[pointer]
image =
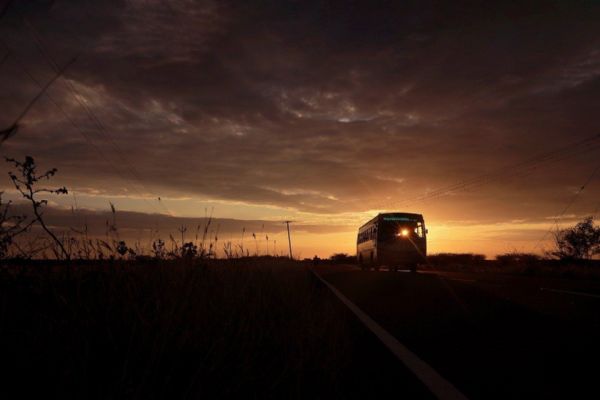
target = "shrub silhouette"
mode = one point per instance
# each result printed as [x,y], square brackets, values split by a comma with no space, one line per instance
[516,258]
[455,259]
[343,258]
[25,181]
[580,242]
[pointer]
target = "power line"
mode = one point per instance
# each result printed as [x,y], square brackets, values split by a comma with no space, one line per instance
[526,166]
[102,131]
[12,130]
[69,119]
[516,169]
[585,145]
[569,204]
[87,138]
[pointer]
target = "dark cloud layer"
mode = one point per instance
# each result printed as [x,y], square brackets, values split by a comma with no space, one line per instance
[144,227]
[317,106]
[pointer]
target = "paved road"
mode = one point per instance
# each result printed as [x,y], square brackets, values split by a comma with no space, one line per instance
[493,336]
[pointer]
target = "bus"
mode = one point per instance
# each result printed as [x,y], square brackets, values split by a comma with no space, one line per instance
[393,240]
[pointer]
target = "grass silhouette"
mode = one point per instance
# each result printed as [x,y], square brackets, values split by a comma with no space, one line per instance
[129,329]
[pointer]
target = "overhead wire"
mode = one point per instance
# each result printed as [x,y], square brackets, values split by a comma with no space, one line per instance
[82,131]
[65,114]
[568,206]
[523,167]
[480,180]
[102,131]
[12,130]
[516,169]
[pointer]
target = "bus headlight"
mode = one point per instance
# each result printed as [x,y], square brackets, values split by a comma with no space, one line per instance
[404,232]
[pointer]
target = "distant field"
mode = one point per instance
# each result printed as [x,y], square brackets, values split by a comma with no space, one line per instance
[518,264]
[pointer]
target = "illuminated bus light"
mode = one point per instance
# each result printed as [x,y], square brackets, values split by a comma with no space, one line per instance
[395,240]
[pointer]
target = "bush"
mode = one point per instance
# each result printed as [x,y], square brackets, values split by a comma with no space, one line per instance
[580,242]
[455,259]
[342,258]
[518,259]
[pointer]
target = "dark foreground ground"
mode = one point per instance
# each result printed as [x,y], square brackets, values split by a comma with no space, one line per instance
[267,328]
[248,329]
[494,336]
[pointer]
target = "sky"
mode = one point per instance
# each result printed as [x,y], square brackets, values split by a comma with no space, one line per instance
[482,116]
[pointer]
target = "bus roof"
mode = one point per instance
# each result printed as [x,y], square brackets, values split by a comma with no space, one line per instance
[394,216]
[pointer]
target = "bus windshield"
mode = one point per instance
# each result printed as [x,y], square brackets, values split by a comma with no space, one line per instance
[389,230]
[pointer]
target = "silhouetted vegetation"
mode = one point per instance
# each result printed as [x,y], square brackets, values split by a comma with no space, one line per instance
[124,329]
[108,319]
[455,259]
[516,258]
[26,181]
[580,242]
[343,258]
[517,263]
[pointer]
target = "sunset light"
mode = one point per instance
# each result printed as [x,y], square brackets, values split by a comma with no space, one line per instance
[287,199]
[241,137]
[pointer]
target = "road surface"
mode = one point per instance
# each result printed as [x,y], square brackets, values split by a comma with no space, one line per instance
[493,336]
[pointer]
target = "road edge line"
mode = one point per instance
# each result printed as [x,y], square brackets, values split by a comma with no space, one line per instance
[440,387]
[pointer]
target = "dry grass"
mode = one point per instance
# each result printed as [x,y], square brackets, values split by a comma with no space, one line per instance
[164,329]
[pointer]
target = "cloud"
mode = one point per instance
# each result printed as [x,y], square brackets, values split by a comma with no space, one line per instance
[133,224]
[313,107]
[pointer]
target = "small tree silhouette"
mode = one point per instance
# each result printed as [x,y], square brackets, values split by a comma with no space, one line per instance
[580,242]
[25,182]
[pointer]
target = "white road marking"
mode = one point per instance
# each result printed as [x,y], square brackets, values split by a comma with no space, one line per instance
[439,386]
[571,292]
